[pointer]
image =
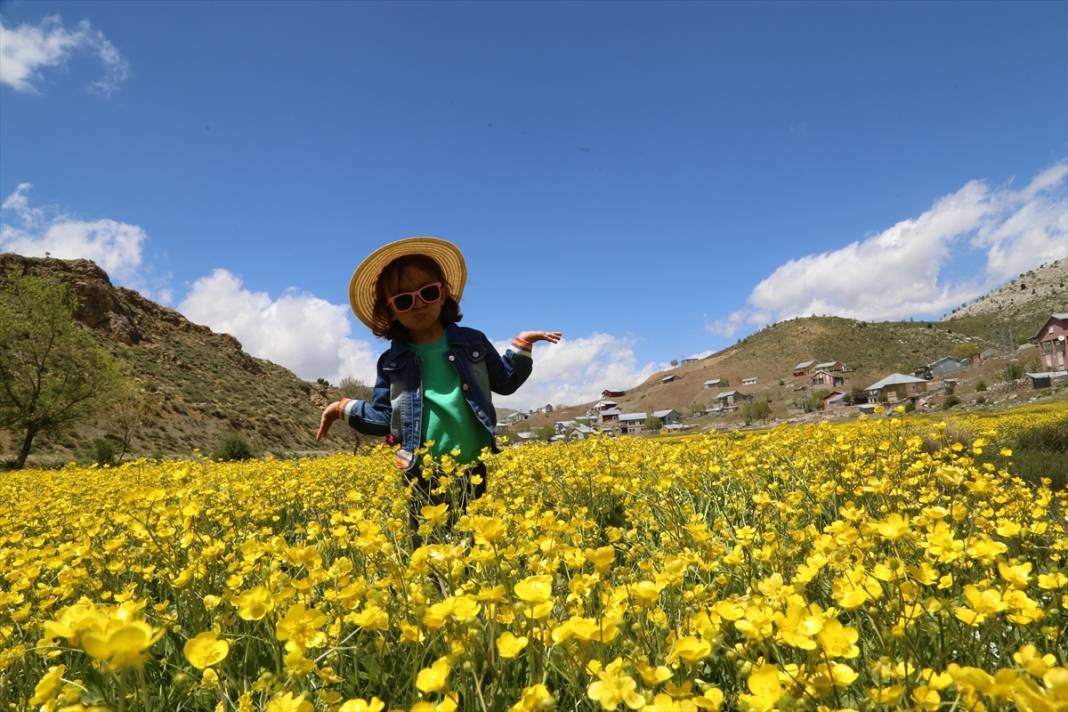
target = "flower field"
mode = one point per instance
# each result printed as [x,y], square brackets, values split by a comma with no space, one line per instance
[874,565]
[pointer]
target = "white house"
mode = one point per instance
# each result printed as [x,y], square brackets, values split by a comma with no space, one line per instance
[632,423]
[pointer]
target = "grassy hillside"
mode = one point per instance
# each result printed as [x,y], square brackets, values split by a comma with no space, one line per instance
[870,350]
[1012,314]
[197,385]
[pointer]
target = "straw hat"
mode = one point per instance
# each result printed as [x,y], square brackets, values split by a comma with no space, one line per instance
[362,284]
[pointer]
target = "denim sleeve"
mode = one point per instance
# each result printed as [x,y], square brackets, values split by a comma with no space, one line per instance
[507,373]
[372,417]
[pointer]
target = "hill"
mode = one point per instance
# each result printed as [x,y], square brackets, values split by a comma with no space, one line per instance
[198,385]
[996,324]
[1011,314]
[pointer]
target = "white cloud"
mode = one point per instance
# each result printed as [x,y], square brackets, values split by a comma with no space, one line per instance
[899,272]
[298,330]
[26,50]
[115,246]
[577,370]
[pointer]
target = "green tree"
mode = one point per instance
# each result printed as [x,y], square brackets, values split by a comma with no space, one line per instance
[756,410]
[965,351]
[545,432]
[53,374]
[653,423]
[815,401]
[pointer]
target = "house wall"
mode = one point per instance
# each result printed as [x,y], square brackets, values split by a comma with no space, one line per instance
[1052,347]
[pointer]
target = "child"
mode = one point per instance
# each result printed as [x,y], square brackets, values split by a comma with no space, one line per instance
[434,381]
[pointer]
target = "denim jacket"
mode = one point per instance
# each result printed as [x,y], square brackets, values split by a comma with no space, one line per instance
[396,405]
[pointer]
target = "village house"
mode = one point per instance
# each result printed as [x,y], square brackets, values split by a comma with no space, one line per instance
[712,383]
[608,419]
[688,360]
[1046,379]
[632,423]
[512,418]
[827,378]
[803,368]
[897,386]
[729,400]
[606,393]
[669,379]
[830,366]
[1050,340]
[940,367]
[749,381]
[668,417]
[835,399]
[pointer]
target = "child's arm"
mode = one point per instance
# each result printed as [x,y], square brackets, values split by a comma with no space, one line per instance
[368,417]
[508,373]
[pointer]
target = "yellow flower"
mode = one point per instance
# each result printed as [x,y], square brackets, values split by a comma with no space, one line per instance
[508,645]
[361,705]
[205,650]
[689,649]
[613,687]
[535,698]
[601,558]
[926,698]
[433,678]
[711,699]
[371,618]
[435,515]
[287,703]
[535,589]
[123,645]
[300,628]
[764,688]
[254,604]
[48,686]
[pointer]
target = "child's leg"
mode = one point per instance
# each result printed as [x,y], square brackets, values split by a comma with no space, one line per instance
[419,498]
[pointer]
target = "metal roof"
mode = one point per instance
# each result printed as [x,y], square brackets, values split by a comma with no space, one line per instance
[1047,374]
[712,381]
[804,364]
[826,364]
[611,411]
[633,416]
[724,394]
[662,413]
[894,379]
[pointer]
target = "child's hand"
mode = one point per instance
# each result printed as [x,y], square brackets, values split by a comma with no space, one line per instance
[330,413]
[532,336]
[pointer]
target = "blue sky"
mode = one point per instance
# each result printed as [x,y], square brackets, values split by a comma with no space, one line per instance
[653,179]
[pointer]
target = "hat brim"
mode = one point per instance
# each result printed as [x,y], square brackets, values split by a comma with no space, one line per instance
[362,284]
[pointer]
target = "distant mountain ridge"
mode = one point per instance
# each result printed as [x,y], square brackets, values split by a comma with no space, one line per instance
[198,384]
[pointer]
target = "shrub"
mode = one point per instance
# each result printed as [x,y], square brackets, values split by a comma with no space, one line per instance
[980,386]
[1014,371]
[949,402]
[103,452]
[233,447]
[980,400]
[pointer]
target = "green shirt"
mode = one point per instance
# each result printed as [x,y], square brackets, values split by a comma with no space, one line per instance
[447,418]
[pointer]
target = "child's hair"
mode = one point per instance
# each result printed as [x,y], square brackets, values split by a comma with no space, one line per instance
[387,281]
